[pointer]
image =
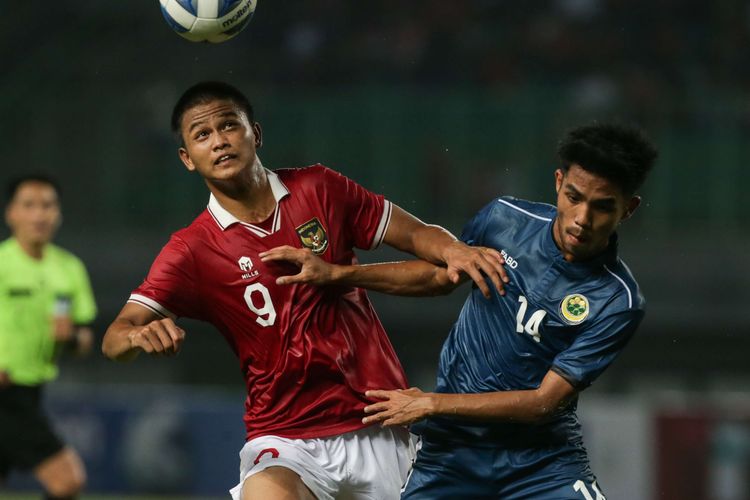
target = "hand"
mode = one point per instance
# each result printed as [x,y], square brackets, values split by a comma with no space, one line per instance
[62,328]
[160,337]
[4,379]
[313,269]
[461,257]
[84,341]
[400,407]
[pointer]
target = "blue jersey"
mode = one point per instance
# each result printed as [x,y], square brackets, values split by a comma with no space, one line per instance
[569,317]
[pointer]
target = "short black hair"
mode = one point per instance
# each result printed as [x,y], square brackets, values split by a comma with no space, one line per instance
[16,183]
[620,153]
[204,92]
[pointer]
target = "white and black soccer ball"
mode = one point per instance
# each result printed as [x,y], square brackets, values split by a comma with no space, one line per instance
[208,20]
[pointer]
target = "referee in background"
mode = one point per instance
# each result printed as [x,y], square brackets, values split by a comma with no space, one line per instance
[45,304]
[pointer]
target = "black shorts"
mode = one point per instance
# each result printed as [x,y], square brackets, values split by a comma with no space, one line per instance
[26,436]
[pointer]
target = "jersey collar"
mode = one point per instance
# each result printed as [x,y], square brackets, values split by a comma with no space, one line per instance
[224,219]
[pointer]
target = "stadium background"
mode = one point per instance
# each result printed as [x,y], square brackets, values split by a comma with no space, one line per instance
[440,105]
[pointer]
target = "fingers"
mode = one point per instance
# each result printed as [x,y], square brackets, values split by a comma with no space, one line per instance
[161,337]
[478,279]
[379,394]
[286,252]
[479,263]
[492,265]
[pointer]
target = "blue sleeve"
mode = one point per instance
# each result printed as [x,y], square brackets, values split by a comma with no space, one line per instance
[473,232]
[596,347]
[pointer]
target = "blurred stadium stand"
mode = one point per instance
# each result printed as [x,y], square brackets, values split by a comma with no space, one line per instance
[440,106]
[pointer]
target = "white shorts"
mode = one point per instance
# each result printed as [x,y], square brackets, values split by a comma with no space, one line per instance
[368,464]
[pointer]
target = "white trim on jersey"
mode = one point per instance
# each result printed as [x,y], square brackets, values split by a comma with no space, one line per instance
[151,304]
[630,295]
[224,219]
[385,220]
[524,211]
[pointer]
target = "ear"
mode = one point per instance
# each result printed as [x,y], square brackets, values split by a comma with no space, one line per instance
[185,157]
[559,176]
[258,132]
[631,207]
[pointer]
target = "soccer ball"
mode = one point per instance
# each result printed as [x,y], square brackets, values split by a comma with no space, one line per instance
[208,20]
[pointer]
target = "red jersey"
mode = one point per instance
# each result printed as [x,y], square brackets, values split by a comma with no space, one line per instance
[308,353]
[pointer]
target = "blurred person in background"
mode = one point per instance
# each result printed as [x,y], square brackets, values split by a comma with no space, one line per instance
[502,421]
[46,303]
[307,355]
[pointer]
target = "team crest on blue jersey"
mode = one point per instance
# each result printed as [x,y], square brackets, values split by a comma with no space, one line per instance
[313,236]
[574,308]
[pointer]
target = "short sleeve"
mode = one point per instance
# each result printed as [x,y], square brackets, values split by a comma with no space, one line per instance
[366,214]
[596,347]
[83,305]
[473,231]
[169,288]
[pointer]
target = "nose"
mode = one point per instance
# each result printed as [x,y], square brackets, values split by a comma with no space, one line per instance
[583,216]
[220,140]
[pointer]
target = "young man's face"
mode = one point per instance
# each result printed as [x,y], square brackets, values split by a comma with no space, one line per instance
[220,141]
[589,208]
[33,214]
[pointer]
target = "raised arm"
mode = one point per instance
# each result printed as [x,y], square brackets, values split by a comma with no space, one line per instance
[437,245]
[413,278]
[407,406]
[138,329]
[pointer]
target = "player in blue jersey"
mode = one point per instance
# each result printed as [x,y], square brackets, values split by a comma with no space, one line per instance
[502,421]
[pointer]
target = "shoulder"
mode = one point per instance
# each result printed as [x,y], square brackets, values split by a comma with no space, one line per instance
[6,247]
[626,294]
[315,174]
[197,231]
[508,212]
[60,254]
[517,208]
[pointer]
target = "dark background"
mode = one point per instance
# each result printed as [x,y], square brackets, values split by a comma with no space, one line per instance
[439,105]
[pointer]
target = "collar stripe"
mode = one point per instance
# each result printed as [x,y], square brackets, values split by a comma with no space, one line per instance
[524,211]
[224,219]
[630,295]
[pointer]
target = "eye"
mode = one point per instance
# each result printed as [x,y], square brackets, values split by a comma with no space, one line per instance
[230,124]
[201,134]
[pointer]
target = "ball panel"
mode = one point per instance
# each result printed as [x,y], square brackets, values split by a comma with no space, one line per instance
[239,26]
[205,28]
[208,20]
[179,15]
[188,5]
[179,27]
[208,9]
[238,15]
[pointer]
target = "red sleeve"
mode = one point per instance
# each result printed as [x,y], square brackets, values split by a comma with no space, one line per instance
[169,288]
[366,214]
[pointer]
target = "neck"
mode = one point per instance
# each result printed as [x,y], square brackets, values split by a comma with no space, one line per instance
[33,249]
[249,198]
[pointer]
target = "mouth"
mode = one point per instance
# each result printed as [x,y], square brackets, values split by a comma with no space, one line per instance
[577,239]
[225,158]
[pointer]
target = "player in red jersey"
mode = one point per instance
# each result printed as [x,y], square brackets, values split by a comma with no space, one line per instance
[308,354]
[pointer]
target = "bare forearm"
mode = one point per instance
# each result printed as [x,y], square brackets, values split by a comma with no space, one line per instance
[117,344]
[429,242]
[411,278]
[519,406]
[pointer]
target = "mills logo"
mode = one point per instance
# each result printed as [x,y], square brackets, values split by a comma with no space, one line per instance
[246,265]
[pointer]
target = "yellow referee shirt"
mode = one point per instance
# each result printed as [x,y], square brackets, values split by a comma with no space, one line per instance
[31,293]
